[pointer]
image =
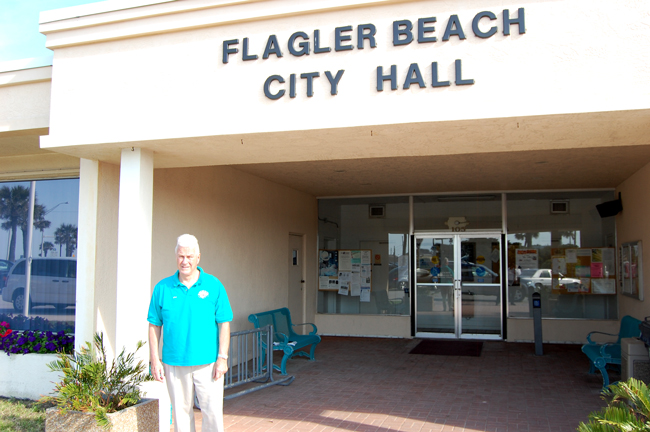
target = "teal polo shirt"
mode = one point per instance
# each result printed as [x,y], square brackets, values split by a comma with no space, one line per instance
[189,318]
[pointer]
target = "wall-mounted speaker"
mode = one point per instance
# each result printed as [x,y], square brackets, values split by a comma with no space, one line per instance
[610,208]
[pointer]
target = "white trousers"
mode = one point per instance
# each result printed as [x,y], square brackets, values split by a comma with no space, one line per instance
[181,382]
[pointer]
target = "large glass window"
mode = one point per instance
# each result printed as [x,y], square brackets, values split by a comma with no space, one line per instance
[52,279]
[373,233]
[559,246]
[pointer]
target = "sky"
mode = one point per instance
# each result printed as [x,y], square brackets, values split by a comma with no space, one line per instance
[19,36]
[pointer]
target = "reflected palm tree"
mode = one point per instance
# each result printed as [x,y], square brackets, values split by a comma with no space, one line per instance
[66,234]
[46,247]
[14,208]
[527,238]
[39,222]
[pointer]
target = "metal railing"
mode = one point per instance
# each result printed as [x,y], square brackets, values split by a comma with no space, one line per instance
[249,361]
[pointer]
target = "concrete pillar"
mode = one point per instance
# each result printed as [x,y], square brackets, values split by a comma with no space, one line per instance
[86,243]
[134,249]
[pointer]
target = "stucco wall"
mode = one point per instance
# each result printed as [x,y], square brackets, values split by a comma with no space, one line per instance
[25,99]
[106,250]
[106,75]
[364,325]
[242,223]
[632,225]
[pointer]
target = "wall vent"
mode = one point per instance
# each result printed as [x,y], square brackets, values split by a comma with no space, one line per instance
[376,211]
[559,207]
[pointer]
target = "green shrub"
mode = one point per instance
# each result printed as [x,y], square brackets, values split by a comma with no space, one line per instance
[628,409]
[90,384]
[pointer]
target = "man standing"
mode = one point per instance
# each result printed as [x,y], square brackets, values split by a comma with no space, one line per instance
[193,310]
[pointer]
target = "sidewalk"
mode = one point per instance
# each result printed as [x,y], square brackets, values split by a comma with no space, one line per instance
[369,384]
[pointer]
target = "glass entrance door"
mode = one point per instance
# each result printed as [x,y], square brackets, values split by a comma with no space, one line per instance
[458,286]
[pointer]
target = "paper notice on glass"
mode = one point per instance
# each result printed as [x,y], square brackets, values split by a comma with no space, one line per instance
[402,260]
[345,260]
[323,282]
[365,257]
[334,284]
[355,290]
[603,286]
[343,289]
[345,276]
[355,278]
[585,285]
[571,256]
[559,265]
[365,271]
[596,269]
[365,295]
[526,258]
[356,257]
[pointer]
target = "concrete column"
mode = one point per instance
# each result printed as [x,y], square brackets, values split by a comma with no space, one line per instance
[134,249]
[87,247]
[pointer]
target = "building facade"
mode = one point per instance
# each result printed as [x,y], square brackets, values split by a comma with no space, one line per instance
[386,168]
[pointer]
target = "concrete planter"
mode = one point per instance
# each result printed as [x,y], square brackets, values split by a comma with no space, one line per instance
[142,417]
[27,376]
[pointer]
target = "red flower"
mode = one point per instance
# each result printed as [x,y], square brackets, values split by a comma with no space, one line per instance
[4,329]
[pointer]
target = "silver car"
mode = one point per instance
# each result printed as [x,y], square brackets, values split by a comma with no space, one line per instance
[53,282]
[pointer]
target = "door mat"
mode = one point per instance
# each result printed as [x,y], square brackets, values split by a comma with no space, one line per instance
[448,348]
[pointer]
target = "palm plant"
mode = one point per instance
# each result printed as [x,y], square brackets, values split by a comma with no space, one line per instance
[46,247]
[91,384]
[13,209]
[628,409]
[39,222]
[66,234]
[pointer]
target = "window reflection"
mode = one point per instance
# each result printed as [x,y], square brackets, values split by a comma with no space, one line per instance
[535,235]
[350,225]
[54,247]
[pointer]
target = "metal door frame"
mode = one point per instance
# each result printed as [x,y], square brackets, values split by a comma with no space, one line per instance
[457,284]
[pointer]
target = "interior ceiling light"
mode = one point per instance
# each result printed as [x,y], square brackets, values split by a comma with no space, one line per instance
[466,198]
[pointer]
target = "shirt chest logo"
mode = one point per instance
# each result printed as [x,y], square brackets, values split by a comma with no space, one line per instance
[203,294]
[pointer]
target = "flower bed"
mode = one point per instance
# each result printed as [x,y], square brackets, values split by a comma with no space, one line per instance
[27,376]
[37,342]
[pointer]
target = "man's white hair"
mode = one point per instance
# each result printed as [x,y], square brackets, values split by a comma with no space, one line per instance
[189,241]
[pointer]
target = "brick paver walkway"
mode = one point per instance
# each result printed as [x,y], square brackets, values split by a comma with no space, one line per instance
[370,384]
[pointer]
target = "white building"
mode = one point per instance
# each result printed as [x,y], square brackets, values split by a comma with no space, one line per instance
[271,127]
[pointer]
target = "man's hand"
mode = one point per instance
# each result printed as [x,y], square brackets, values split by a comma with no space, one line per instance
[220,368]
[156,366]
[157,371]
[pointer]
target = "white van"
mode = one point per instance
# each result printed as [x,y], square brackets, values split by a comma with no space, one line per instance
[53,282]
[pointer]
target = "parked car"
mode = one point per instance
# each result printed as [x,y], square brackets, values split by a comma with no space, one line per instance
[53,282]
[5,266]
[538,280]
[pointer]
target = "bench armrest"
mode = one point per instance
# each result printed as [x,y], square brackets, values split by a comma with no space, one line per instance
[610,350]
[314,329]
[597,332]
[282,336]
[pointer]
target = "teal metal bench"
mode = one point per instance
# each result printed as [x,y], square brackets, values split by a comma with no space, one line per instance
[284,338]
[604,355]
